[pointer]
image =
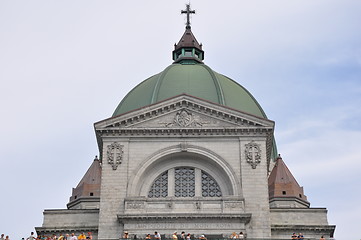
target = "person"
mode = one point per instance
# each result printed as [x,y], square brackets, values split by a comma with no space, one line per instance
[61,236]
[2,237]
[188,236]
[233,235]
[125,235]
[294,236]
[157,235]
[241,235]
[174,236]
[148,236]
[81,236]
[7,237]
[322,238]
[67,237]
[300,236]
[183,236]
[90,236]
[203,237]
[73,237]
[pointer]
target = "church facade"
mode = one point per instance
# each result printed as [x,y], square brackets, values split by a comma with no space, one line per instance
[190,150]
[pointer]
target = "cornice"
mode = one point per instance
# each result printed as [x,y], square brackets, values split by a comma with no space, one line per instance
[214,131]
[303,228]
[81,200]
[246,217]
[64,229]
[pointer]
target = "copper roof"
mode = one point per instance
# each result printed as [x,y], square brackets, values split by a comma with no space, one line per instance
[188,40]
[89,185]
[281,182]
[93,175]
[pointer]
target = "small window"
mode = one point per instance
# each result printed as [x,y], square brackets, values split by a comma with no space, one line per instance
[283,192]
[300,195]
[75,197]
[91,194]
[188,53]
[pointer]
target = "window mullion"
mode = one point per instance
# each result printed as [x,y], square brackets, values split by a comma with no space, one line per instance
[198,182]
[171,182]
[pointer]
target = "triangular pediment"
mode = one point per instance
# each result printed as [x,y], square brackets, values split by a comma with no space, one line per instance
[184,111]
[185,115]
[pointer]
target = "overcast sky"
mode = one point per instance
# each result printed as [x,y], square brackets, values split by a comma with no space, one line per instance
[67,64]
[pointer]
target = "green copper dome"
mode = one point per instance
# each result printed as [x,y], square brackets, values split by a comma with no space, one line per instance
[189,75]
[193,79]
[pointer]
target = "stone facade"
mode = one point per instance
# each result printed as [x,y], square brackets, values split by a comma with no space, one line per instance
[185,132]
[146,151]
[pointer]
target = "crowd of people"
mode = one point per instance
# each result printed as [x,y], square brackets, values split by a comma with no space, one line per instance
[155,236]
[301,237]
[71,236]
[175,236]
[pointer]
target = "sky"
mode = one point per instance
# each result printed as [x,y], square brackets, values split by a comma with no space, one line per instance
[65,65]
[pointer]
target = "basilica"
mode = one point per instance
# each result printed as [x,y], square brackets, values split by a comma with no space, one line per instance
[188,149]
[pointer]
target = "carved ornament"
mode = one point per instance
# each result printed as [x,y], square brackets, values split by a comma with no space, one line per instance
[233,205]
[115,154]
[185,118]
[135,205]
[253,154]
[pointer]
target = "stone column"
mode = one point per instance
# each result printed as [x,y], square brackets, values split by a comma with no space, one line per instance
[113,191]
[255,186]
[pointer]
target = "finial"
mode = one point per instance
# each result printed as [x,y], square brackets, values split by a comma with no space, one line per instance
[188,11]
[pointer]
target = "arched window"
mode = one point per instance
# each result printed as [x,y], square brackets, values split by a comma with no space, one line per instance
[184,182]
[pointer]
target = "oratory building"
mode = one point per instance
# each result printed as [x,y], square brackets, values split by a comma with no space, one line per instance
[188,149]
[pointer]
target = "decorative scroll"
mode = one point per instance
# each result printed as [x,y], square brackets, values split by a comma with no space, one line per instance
[210,187]
[233,205]
[115,154]
[184,118]
[135,205]
[253,154]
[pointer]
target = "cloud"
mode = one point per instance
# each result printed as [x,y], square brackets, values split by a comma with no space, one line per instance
[66,65]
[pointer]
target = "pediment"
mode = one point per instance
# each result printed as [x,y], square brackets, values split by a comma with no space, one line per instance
[184,112]
[185,115]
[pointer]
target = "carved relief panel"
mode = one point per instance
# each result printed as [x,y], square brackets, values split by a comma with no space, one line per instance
[115,154]
[253,154]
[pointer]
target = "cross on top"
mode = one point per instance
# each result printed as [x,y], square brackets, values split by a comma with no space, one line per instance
[188,11]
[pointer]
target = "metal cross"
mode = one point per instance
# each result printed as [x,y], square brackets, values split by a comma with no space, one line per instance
[188,11]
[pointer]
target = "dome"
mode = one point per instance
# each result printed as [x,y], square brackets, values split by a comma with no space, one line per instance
[189,75]
[197,80]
